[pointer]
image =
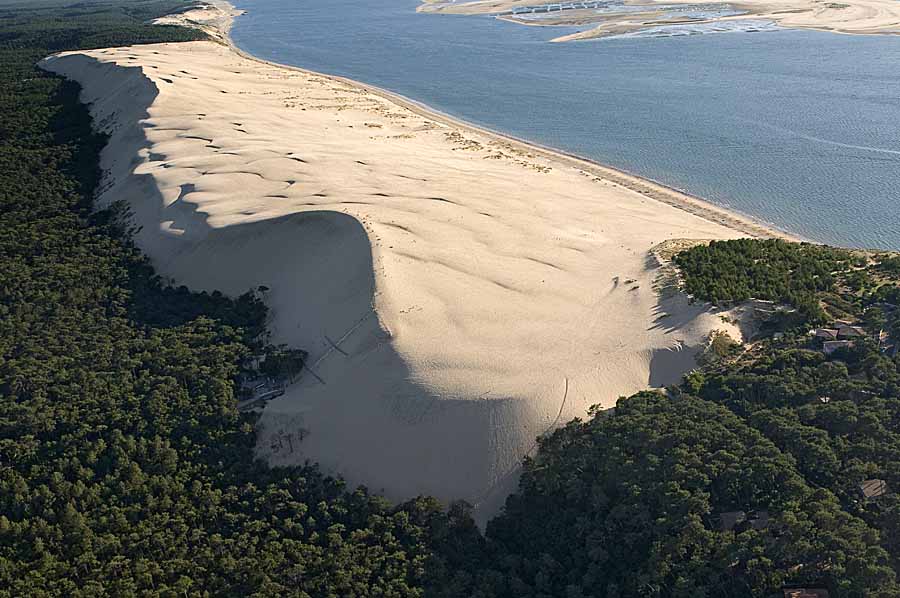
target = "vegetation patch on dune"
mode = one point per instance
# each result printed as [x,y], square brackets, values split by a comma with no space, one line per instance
[821,282]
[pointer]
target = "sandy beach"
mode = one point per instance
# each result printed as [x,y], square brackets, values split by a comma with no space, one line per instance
[459,292]
[864,17]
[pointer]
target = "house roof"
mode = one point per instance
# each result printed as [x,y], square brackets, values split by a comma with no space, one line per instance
[873,488]
[743,520]
[828,333]
[805,592]
[851,331]
[730,519]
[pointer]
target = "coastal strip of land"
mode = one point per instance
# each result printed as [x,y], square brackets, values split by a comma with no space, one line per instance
[460,292]
[606,18]
[216,18]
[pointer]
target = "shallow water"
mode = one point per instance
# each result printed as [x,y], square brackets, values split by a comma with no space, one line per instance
[800,129]
[681,29]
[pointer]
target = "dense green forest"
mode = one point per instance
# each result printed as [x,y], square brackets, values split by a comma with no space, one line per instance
[126,469]
[628,504]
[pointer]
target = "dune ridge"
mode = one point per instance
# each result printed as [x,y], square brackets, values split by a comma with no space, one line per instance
[460,293]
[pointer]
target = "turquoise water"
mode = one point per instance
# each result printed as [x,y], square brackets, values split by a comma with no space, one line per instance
[800,129]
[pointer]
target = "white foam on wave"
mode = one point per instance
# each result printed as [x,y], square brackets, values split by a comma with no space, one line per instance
[607,9]
[681,29]
[814,139]
[703,14]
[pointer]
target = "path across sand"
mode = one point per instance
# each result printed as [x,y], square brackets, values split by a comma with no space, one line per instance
[459,293]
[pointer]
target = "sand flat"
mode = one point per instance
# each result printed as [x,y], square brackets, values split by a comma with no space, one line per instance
[460,293]
[863,17]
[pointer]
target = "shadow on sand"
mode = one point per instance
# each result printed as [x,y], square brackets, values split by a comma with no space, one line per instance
[362,413]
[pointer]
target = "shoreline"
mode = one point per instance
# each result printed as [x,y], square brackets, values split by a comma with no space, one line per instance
[459,293]
[646,186]
[854,17]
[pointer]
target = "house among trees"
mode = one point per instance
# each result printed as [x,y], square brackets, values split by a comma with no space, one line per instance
[873,488]
[805,592]
[256,385]
[847,332]
[258,390]
[825,334]
[837,338]
[739,521]
[843,332]
[252,362]
[886,343]
[265,376]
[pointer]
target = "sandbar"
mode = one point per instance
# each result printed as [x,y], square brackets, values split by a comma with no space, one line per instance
[862,17]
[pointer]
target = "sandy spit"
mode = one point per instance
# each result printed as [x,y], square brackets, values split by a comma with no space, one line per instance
[861,17]
[460,292]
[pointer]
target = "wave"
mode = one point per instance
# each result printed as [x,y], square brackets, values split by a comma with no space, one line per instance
[680,29]
[793,133]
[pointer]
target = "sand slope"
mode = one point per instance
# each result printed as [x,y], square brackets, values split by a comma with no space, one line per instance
[459,294]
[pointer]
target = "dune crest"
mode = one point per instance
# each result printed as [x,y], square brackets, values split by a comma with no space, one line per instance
[459,293]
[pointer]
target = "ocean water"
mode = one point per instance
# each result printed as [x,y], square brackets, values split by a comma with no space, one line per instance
[799,129]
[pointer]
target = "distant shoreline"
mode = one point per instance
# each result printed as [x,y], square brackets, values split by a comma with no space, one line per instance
[853,17]
[648,187]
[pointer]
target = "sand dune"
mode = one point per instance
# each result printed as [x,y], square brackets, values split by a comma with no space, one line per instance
[459,293]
